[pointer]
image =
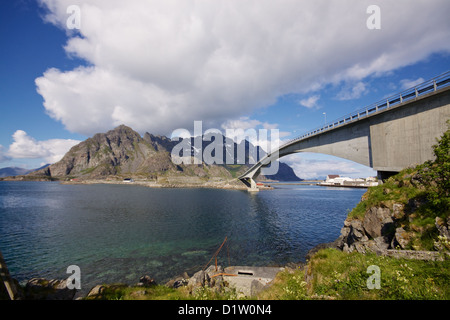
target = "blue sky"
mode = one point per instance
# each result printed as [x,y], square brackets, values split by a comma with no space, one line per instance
[158,66]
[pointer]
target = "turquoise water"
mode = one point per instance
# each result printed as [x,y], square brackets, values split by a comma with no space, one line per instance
[117,233]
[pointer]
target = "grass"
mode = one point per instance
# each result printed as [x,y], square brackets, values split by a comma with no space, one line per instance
[397,189]
[124,292]
[234,169]
[330,275]
[161,292]
[335,275]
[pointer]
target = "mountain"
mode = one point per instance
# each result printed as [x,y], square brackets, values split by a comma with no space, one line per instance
[123,153]
[285,173]
[14,171]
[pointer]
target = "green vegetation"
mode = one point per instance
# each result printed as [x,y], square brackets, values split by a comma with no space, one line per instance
[88,170]
[330,274]
[162,292]
[234,169]
[335,274]
[124,292]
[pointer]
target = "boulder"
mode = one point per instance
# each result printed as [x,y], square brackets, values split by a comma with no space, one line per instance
[398,211]
[443,227]
[357,231]
[199,279]
[401,238]
[43,289]
[207,278]
[96,291]
[179,281]
[378,222]
[146,281]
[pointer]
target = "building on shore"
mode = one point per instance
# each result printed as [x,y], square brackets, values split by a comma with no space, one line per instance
[334,180]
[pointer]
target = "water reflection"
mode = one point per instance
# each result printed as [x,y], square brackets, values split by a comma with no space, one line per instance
[118,233]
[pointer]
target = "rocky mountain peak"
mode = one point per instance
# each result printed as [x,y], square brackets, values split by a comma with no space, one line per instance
[122,152]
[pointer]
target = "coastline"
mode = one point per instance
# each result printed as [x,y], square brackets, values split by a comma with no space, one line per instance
[233,184]
[229,185]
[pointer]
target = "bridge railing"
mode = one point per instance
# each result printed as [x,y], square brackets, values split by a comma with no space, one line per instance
[428,86]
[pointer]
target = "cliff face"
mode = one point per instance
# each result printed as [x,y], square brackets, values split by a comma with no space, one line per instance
[122,152]
[397,216]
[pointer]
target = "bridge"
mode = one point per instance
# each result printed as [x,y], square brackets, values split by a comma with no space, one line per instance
[388,136]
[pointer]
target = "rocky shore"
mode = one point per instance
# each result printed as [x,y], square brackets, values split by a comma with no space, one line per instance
[247,283]
[381,232]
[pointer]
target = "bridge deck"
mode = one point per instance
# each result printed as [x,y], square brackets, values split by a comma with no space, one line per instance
[423,90]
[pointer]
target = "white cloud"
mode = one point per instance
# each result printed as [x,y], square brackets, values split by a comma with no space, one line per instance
[159,65]
[26,147]
[311,102]
[266,135]
[312,166]
[3,156]
[351,92]
[408,83]
[243,123]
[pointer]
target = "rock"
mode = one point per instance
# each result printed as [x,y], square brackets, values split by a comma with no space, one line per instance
[356,232]
[179,281]
[443,227]
[401,238]
[417,255]
[359,247]
[378,222]
[43,289]
[379,245]
[398,210]
[146,281]
[96,291]
[199,279]
[207,278]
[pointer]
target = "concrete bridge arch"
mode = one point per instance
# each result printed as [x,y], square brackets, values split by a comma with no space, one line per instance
[387,136]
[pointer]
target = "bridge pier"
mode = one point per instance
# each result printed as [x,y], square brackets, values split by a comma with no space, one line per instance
[251,184]
[253,187]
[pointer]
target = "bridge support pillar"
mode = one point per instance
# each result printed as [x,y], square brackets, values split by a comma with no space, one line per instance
[251,184]
[253,187]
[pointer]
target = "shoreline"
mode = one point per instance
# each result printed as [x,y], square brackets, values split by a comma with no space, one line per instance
[226,184]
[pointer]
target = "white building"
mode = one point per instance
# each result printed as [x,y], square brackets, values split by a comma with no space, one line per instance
[337,181]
